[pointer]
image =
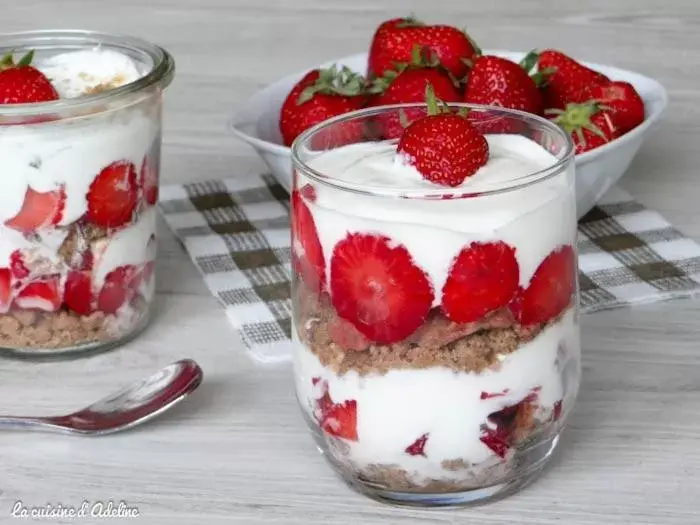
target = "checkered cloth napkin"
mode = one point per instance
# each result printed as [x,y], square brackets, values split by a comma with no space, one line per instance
[237,233]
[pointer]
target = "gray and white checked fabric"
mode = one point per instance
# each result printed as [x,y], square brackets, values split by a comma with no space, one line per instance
[237,233]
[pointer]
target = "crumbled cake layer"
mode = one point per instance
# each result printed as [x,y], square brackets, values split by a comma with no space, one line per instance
[25,329]
[468,347]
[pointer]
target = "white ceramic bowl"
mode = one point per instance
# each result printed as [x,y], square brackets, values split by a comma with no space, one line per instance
[257,123]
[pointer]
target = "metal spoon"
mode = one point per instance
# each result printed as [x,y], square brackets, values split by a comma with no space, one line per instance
[127,408]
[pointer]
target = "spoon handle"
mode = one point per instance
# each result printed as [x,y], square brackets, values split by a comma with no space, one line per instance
[27,423]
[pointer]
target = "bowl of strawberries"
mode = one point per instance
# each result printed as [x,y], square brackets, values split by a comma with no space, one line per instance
[606,110]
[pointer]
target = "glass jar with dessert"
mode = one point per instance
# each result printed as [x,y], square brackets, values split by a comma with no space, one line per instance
[80,134]
[437,350]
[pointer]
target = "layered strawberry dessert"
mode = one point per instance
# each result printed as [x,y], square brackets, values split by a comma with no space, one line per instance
[436,334]
[77,216]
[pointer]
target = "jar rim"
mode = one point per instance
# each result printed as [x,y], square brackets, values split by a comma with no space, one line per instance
[161,74]
[562,159]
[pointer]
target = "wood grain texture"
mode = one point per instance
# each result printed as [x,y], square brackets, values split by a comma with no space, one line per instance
[237,451]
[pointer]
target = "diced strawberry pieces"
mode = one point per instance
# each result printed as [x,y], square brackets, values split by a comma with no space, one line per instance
[39,210]
[556,411]
[78,295]
[148,180]
[551,288]
[5,289]
[43,295]
[495,442]
[484,277]
[315,380]
[376,285]
[308,260]
[341,420]
[308,192]
[346,336]
[119,288]
[417,448]
[491,395]
[17,265]
[112,195]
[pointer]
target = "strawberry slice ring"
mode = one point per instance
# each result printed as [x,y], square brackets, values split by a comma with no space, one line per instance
[39,210]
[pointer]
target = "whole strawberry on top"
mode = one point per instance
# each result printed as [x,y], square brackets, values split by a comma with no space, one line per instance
[21,83]
[496,81]
[320,95]
[443,146]
[567,81]
[407,83]
[590,125]
[394,39]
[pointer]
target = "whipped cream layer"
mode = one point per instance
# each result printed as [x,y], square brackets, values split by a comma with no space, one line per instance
[396,408]
[78,73]
[534,219]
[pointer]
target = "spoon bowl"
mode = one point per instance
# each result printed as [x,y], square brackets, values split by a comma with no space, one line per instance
[130,406]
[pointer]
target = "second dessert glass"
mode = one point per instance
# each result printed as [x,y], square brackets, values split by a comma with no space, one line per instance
[437,351]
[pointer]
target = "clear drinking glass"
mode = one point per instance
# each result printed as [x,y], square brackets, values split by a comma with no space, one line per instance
[435,329]
[79,188]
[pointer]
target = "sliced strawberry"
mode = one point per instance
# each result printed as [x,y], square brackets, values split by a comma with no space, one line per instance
[551,287]
[119,288]
[307,254]
[78,295]
[340,420]
[18,266]
[5,289]
[112,195]
[148,180]
[491,395]
[378,288]
[484,277]
[43,295]
[346,336]
[308,192]
[417,447]
[495,441]
[39,210]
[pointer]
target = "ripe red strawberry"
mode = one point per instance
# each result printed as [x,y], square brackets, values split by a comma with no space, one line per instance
[77,294]
[589,125]
[346,336]
[484,277]
[44,294]
[394,40]
[551,288]
[17,265]
[340,420]
[21,83]
[417,448]
[148,180]
[444,146]
[308,261]
[623,101]
[378,288]
[112,196]
[39,210]
[5,289]
[119,288]
[496,81]
[320,95]
[567,80]
[406,86]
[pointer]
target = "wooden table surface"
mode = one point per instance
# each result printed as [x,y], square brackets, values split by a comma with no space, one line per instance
[238,451]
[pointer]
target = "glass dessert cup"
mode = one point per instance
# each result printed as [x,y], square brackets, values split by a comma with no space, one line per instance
[435,329]
[77,212]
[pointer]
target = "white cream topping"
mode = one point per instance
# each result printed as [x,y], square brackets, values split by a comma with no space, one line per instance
[78,72]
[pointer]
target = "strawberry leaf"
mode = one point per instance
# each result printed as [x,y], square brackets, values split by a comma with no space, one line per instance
[26,59]
[403,119]
[530,60]
[331,81]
